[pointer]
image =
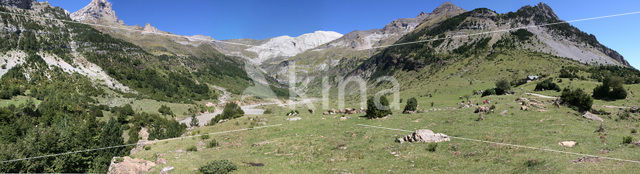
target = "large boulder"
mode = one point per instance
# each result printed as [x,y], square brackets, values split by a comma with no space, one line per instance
[567,143]
[424,135]
[591,116]
[129,165]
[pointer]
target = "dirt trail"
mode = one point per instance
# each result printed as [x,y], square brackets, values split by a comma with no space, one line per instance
[541,96]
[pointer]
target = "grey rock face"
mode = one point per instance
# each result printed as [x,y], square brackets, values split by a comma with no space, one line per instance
[23,4]
[99,12]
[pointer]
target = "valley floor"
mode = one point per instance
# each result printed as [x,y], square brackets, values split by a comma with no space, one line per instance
[353,144]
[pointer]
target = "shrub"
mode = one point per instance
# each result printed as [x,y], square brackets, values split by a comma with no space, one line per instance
[503,87]
[147,147]
[488,92]
[205,136]
[213,143]
[577,99]
[118,160]
[569,72]
[192,149]
[633,131]
[230,111]
[218,167]
[165,110]
[627,140]
[194,121]
[96,112]
[611,89]
[374,112]
[624,115]
[268,111]
[532,162]
[125,110]
[412,105]
[547,85]
[431,147]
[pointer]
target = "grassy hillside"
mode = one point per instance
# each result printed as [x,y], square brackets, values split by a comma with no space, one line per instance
[325,144]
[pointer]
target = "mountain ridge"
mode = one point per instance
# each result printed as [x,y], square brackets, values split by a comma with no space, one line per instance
[443,44]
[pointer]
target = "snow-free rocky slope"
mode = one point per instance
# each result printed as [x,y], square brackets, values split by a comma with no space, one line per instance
[562,40]
[355,46]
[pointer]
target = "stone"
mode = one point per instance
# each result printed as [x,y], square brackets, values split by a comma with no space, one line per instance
[344,118]
[503,112]
[294,119]
[130,165]
[634,109]
[166,170]
[409,112]
[260,143]
[311,111]
[591,116]
[586,159]
[567,143]
[424,135]
[524,108]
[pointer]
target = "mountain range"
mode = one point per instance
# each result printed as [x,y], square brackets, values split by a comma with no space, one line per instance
[318,52]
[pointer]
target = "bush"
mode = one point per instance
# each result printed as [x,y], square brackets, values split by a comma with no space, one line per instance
[218,167]
[611,89]
[267,111]
[374,112]
[205,136]
[165,110]
[96,112]
[547,85]
[213,143]
[192,149]
[194,121]
[488,92]
[431,147]
[577,99]
[627,140]
[412,105]
[126,110]
[532,162]
[118,160]
[230,111]
[503,87]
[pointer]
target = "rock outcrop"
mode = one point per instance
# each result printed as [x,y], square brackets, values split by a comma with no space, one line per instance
[129,165]
[23,4]
[97,12]
[287,46]
[591,116]
[424,135]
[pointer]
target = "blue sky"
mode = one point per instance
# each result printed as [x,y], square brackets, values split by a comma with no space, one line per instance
[260,19]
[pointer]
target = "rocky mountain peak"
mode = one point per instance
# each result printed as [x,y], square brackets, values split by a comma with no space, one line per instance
[287,46]
[149,28]
[23,4]
[546,10]
[447,7]
[540,13]
[98,11]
